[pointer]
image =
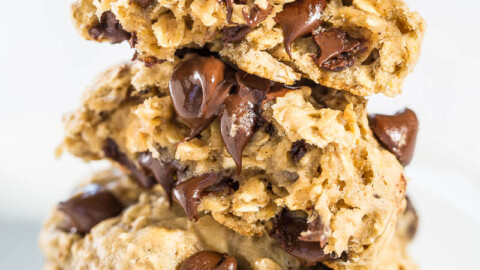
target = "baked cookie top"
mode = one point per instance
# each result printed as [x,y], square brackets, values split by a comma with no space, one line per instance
[360,46]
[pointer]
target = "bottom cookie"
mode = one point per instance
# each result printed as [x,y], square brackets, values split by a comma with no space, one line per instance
[91,231]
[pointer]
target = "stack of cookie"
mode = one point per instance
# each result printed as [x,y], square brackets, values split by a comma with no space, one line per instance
[240,139]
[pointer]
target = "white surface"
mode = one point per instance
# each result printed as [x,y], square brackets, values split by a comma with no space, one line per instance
[45,65]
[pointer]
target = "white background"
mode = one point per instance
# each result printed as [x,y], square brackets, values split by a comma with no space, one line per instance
[45,65]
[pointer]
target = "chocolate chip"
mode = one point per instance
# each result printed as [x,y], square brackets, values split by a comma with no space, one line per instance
[317,232]
[198,88]
[209,260]
[235,34]
[162,172]
[299,19]
[337,49]
[256,15]
[241,114]
[88,208]
[229,5]
[398,133]
[299,149]
[111,151]
[141,3]
[287,228]
[109,28]
[188,193]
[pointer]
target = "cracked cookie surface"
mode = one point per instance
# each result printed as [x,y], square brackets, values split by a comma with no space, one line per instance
[310,151]
[361,46]
[148,234]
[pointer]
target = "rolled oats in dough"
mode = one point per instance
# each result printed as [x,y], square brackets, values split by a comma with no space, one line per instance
[253,37]
[148,234]
[311,151]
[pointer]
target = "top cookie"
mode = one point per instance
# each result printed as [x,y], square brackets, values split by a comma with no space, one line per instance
[361,46]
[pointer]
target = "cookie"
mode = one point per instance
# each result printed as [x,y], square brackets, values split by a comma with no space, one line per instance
[149,234]
[361,46]
[252,153]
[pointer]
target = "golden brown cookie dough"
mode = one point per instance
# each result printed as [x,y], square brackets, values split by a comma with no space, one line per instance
[364,47]
[148,234]
[314,154]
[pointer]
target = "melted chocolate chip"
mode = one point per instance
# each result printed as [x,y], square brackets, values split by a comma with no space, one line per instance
[198,88]
[241,114]
[337,49]
[209,260]
[287,228]
[398,133]
[142,3]
[88,208]
[256,15]
[299,149]
[111,151]
[109,28]
[188,193]
[162,172]
[299,19]
[235,34]
[317,232]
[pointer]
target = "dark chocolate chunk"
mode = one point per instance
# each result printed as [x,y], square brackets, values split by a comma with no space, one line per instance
[209,260]
[299,149]
[317,232]
[198,88]
[398,133]
[287,229]
[256,15]
[337,49]
[299,19]
[162,172]
[235,34]
[109,28]
[142,3]
[241,114]
[188,193]
[88,208]
[111,151]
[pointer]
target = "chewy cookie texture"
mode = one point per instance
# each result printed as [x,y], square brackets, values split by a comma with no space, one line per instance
[361,46]
[151,234]
[298,165]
